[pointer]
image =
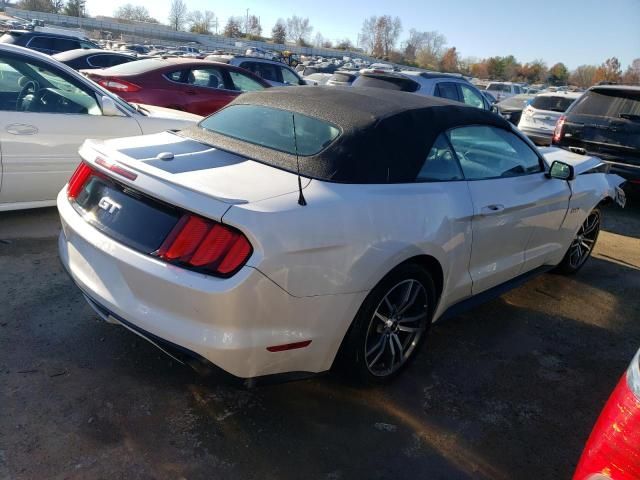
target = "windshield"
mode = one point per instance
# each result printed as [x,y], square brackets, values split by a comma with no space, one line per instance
[386,81]
[517,101]
[609,103]
[552,103]
[273,128]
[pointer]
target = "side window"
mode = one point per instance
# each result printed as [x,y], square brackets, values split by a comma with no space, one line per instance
[243,82]
[28,87]
[441,164]
[471,97]
[265,71]
[289,77]
[206,77]
[447,90]
[101,61]
[490,152]
[63,44]
[41,43]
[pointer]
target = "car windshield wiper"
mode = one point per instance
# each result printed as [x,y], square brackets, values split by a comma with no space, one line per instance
[630,116]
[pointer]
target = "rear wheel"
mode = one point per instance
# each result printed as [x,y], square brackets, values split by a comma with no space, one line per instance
[391,324]
[582,245]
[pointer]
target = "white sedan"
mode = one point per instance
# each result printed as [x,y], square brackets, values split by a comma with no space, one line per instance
[47,111]
[297,226]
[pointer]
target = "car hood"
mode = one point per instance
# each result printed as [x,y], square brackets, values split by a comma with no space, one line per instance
[194,166]
[580,163]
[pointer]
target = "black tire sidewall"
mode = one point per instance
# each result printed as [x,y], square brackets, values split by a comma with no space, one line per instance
[353,353]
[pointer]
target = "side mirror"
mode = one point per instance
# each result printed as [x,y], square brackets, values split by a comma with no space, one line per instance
[561,171]
[109,107]
[495,109]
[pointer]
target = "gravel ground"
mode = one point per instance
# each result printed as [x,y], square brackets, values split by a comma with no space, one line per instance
[508,390]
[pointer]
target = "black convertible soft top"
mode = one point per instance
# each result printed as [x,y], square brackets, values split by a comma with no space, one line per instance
[386,135]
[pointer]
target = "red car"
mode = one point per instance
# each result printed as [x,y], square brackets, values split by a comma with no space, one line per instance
[613,448]
[195,86]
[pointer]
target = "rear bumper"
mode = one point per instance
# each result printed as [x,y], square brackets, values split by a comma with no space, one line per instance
[229,322]
[539,137]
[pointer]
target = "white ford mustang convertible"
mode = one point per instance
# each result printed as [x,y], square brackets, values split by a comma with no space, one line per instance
[298,226]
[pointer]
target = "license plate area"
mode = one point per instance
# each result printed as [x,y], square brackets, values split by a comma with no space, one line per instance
[129,217]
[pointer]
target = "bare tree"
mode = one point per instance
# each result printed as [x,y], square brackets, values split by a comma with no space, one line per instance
[233,27]
[202,22]
[380,34]
[178,14]
[279,32]
[344,44]
[583,76]
[298,29]
[318,40]
[430,45]
[135,13]
[252,26]
[36,5]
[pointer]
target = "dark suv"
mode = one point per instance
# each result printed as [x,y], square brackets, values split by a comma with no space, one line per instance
[49,43]
[605,122]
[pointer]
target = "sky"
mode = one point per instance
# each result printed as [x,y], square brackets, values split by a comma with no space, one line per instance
[575,32]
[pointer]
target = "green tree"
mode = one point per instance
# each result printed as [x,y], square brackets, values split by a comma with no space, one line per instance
[558,74]
[75,8]
[279,32]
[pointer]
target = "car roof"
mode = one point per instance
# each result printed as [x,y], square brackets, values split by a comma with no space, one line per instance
[560,94]
[385,134]
[624,88]
[48,34]
[430,74]
[83,52]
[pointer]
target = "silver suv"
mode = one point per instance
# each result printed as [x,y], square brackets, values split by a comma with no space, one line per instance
[435,84]
[276,73]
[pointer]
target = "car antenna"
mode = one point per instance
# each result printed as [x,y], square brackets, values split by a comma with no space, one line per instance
[301,199]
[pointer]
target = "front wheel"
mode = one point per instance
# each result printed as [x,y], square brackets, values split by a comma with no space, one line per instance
[582,245]
[391,324]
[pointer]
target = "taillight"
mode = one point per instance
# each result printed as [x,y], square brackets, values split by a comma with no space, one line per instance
[204,245]
[118,85]
[613,448]
[558,132]
[78,179]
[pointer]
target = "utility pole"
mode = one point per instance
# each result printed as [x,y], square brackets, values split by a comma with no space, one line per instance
[246,25]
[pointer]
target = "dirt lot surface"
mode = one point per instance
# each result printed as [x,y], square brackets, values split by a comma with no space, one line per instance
[509,390]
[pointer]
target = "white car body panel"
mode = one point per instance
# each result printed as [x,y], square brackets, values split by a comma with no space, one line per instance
[313,266]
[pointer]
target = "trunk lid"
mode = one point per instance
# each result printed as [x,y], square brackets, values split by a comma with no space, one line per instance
[193,166]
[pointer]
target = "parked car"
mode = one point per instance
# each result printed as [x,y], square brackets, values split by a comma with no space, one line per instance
[49,43]
[135,48]
[539,118]
[195,86]
[444,85]
[317,78]
[342,79]
[511,108]
[280,234]
[275,73]
[605,122]
[83,59]
[48,110]
[613,448]
[503,90]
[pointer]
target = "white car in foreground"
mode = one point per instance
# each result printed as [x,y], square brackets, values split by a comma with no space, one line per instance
[539,118]
[406,208]
[47,111]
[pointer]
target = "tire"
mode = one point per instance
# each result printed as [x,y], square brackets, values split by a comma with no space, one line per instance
[383,329]
[582,245]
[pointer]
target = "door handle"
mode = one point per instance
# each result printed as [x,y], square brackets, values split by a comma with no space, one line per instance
[492,209]
[21,129]
[190,92]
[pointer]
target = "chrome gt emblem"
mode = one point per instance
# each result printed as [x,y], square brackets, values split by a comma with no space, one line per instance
[108,205]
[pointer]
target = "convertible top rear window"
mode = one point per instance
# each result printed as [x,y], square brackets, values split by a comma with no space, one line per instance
[273,128]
